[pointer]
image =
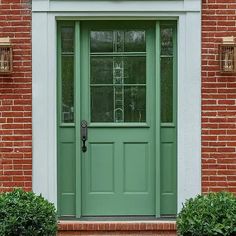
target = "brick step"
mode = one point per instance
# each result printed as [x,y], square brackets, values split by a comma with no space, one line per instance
[159,228]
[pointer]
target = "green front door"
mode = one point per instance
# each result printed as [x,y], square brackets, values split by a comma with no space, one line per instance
[117,101]
[120,77]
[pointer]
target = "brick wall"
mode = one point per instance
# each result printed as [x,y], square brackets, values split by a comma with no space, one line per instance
[218,99]
[15,98]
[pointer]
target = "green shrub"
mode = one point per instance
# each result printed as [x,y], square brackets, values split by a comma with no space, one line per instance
[211,214]
[25,214]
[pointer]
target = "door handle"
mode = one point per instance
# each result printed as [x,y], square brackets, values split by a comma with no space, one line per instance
[84,134]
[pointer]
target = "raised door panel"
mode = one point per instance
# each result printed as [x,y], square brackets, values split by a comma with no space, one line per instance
[168,171]
[136,168]
[101,168]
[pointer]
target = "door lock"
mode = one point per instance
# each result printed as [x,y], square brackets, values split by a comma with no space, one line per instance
[84,134]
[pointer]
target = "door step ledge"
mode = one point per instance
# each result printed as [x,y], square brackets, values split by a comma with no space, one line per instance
[117,227]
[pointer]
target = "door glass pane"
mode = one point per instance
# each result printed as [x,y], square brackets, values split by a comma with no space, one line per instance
[113,71]
[119,103]
[166,41]
[101,70]
[166,89]
[118,41]
[67,74]
[102,104]
[101,41]
[135,41]
[166,74]
[135,107]
[67,39]
[135,70]
[67,89]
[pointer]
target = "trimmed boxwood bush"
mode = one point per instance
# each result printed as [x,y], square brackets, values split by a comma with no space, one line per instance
[25,214]
[207,215]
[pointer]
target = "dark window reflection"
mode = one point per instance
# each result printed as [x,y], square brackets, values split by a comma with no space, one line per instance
[67,74]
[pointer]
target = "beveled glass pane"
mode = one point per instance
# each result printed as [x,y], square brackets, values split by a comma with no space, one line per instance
[101,41]
[67,73]
[135,70]
[67,39]
[101,70]
[166,41]
[166,90]
[102,106]
[135,41]
[135,104]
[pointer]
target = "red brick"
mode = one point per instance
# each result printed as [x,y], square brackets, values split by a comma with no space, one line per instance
[111,228]
[15,108]
[218,99]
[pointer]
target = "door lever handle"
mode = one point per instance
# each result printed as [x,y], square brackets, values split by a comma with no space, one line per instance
[84,134]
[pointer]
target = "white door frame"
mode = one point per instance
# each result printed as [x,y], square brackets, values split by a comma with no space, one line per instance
[44,38]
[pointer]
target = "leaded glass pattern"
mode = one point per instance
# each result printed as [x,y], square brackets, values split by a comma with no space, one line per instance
[118,76]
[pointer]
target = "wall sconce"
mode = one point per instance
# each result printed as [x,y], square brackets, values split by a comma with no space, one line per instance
[5,56]
[228,55]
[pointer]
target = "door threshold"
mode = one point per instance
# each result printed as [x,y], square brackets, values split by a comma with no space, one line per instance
[126,218]
[118,218]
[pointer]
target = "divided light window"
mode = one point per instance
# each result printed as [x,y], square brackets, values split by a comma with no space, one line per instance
[167,73]
[118,76]
[108,53]
[66,60]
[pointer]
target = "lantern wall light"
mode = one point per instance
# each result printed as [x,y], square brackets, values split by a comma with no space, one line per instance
[5,56]
[228,55]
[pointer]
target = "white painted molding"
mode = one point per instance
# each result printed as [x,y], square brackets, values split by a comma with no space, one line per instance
[44,106]
[40,103]
[189,107]
[44,89]
[40,5]
[115,6]
[52,107]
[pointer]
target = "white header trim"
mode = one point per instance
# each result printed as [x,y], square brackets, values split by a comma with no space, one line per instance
[116,6]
